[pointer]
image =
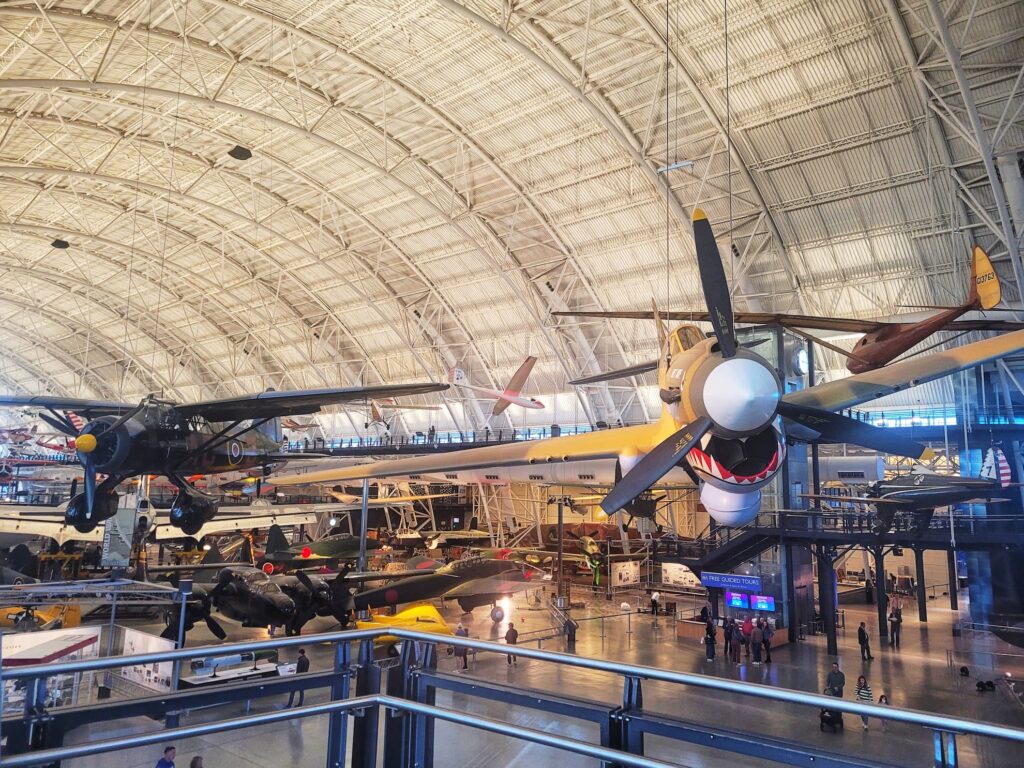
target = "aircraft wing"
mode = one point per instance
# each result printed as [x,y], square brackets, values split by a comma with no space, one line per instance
[87,408]
[984,325]
[503,584]
[288,515]
[272,403]
[844,324]
[39,525]
[602,444]
[854,390]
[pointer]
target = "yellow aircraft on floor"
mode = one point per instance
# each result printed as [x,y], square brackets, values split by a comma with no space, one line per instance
[422,618]
[23,618]
[723,416]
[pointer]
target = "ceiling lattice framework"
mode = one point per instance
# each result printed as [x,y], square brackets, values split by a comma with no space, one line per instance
[431,180]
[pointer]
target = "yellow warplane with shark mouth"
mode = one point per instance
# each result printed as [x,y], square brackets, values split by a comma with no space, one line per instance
[723,419]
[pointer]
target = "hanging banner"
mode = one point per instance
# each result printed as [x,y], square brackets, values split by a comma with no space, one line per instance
[731,581]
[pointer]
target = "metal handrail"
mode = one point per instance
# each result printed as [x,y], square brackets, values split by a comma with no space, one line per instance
[557,741]
[926,719]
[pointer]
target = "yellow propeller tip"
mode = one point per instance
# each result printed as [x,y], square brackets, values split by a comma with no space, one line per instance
[699,215]
[85,443]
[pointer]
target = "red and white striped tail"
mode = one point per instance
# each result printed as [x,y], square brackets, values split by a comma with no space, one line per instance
[996,467]
[76,421]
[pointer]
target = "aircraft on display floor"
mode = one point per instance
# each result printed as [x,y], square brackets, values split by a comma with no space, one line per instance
[175,440]
[472,582]
[250,596]
[723,416]
[883,341]
[419,618]
[922,491]
[511,395]
[326,551]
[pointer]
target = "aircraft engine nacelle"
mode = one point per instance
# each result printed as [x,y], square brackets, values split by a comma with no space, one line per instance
[732,508]
[113,446]
[734,469]
[190,513]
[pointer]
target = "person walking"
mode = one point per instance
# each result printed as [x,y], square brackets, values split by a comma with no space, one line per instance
[461,651]
[865,696]
[727,631]
[512,637]
[883,701]
[769,635]
[196,762]
[301,667]
[655,599]
[736,644]
[836,680]
[757,642]
[864,641]
[748,628]
[167,761]
[895,621]
[709,640]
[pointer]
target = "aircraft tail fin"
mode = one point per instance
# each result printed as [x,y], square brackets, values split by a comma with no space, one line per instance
[515,386]
[985,291]
[659,323]
[996,467]
[213,555]
[276,542]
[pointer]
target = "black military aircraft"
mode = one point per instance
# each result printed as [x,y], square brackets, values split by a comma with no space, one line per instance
[248,595]
[158,437]
[919,494]
[472,582]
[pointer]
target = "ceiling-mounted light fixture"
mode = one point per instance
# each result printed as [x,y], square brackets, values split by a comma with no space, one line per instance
[239,152]
[61,244]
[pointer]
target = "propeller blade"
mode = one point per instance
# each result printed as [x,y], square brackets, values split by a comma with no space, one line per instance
[215,627]
[836,428]
[619,373]
[171,633]
[127,415]
[716,287]
[305,581]
[90,485]
[652,467]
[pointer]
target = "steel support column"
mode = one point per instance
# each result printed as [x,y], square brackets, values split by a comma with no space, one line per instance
[825,555]
[880,592]
[337,723]
[952,579]
[367,722]
[922,597]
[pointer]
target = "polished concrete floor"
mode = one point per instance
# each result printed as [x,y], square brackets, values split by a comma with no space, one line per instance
[917,676]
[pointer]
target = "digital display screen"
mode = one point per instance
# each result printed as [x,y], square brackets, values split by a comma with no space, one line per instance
[737,600]
[764,603]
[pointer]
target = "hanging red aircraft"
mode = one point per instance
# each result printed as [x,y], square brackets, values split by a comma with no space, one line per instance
[882,342]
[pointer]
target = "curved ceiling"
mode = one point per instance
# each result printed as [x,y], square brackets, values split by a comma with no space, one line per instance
[431,179]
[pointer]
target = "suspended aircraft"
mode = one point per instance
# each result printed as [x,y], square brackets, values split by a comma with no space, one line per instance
[176,440]
[326,551]
[921,492]
[883,341]
[378,408]
[723,414]
[511,395]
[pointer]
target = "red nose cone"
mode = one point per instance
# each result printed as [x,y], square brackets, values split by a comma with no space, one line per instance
[268,568]
[306,551]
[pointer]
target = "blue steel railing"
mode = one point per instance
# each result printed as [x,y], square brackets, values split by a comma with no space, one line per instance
[418,661]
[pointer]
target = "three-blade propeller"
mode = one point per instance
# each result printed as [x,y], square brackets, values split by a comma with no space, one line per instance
[714,284]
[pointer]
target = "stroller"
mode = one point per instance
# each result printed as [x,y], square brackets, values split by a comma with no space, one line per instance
[830,717]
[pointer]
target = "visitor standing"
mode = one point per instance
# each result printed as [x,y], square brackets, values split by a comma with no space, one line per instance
[864,641]
[167,761]
[461,651]
[865,696]
[836,680]
[512,637]
[757,642]
[769,635]
[655,599]
[727,632]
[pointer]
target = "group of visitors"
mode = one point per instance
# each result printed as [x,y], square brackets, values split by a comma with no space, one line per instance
[753,636]
[835,683]
[167,761]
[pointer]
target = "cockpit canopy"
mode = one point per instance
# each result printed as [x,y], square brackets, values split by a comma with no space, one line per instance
[683,338]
